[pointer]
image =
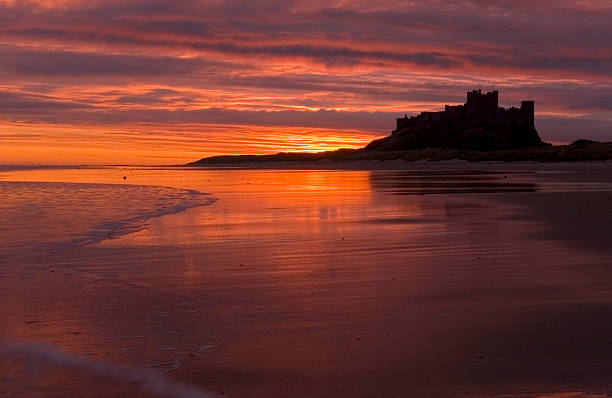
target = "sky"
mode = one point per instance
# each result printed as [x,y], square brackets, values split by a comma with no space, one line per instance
[167,82]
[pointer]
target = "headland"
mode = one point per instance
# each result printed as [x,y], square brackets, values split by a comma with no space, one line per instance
[478,130]
[479,125]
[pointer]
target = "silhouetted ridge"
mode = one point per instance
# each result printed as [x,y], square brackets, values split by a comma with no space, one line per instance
[479,130]
[480,125]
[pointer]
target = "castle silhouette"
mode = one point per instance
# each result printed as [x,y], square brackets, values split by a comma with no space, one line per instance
[479,124]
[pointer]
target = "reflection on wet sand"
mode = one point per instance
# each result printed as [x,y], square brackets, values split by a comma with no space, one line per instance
[448,182]
[326,284]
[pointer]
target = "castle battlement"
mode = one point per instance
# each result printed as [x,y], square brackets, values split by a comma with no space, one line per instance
[479,109]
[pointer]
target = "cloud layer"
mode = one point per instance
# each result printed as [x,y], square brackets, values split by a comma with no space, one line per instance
[333,69]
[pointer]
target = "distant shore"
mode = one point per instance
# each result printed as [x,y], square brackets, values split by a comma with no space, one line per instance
[579,151]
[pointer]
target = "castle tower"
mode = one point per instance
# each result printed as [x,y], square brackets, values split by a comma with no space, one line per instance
[494,99]
[484,105]
[472,101]
[527,110]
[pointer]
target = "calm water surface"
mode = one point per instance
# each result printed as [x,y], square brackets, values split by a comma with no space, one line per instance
[279,283]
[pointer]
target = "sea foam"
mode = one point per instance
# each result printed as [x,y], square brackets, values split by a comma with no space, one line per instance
[44,215]
[35,354]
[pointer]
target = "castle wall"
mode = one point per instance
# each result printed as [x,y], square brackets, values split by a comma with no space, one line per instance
[480,109]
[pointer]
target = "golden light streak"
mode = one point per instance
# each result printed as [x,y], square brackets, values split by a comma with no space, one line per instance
[147,145]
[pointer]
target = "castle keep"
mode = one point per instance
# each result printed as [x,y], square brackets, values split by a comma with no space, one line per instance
[480,125]
[480,109]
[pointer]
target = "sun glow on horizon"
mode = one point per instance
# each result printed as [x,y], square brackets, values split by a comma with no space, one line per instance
[147,145]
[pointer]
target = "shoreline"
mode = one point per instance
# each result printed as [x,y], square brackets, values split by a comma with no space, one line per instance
[155,202]
[581,150]
[365,165]
[347,164]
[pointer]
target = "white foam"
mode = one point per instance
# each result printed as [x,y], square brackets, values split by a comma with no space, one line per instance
[55,217]
[153,381]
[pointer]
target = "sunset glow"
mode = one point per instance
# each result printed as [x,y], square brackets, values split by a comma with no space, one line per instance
[157,82]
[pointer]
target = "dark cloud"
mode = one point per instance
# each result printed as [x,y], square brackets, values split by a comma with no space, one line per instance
[321,118]
[46,110]
[534,62]
[18,104]
[569,36]
[333,55]
[65,63]
[156,97]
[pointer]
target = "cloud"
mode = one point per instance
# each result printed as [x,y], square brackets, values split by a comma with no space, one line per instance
[43,110]
[73,64]
[460,35]
[39,109]
[18,104]
[156,97]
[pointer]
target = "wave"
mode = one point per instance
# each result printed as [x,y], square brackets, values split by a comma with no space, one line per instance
[37,215]
[35,353]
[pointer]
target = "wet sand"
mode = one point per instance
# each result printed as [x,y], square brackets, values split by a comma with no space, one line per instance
[445,281]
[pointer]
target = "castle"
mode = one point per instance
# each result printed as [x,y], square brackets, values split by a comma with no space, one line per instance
[480,109]
[479,124]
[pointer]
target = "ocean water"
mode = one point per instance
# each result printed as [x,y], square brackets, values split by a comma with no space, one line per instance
[437,281]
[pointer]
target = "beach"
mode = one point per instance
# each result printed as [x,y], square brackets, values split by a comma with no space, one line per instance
[364,279]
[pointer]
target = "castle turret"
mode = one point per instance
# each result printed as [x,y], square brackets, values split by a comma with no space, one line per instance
[527,110]
[472,99]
